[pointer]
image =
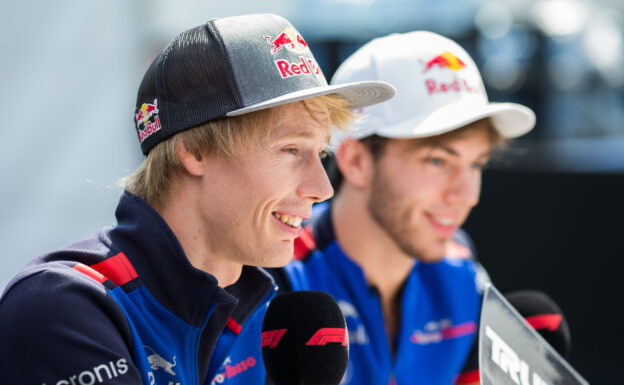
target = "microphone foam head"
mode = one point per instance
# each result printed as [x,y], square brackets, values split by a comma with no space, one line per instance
[304,339]
[544,315]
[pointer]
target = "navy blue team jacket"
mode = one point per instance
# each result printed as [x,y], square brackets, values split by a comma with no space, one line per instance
[125,306]
[440,306]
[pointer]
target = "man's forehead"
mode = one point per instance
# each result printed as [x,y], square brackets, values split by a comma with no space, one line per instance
[297,121]
[308,129]
[447,143]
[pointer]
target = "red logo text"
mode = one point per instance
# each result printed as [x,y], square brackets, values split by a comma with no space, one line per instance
[149,128]
[303,67]
[436,87]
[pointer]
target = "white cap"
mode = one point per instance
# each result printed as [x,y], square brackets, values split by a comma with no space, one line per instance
[439,89]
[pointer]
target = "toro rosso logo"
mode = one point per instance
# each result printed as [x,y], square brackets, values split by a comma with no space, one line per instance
[230,370]
[288,39]
[142,119]
[156,361]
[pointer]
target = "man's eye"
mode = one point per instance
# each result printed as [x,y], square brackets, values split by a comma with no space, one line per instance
[435,161]
[479,165]
[291,150]
[324,153]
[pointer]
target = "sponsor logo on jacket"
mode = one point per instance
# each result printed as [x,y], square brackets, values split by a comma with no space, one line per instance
[230,370]
[97,375]
[438,331]
[160,367]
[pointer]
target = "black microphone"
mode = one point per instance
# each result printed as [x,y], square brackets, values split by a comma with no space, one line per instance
[304,339]
[544,315]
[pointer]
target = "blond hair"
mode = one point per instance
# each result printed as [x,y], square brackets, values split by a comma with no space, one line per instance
[227,136]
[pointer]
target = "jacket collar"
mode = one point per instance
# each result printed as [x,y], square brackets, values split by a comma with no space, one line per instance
[162,266]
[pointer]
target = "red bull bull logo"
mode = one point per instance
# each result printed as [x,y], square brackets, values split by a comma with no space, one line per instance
[142,118]
[445,60]
[289,39]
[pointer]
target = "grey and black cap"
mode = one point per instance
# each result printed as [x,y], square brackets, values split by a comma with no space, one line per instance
[232,66]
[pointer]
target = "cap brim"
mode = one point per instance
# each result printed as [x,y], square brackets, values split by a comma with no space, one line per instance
[510,119]
[359,94]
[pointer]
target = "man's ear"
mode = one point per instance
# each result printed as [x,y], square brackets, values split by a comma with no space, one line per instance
[193,164]
[355,162]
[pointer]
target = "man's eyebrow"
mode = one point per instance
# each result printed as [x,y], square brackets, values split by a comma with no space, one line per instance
[447,149]
[451,151]
[305,134]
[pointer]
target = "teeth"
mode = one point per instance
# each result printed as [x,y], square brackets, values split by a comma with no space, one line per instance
[444,221]
[290,220]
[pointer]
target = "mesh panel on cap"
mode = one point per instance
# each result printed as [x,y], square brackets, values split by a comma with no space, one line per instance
[193,83]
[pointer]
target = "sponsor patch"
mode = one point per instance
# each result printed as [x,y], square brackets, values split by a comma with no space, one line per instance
[231,371]
[98,374]
[146,126]
[435,332]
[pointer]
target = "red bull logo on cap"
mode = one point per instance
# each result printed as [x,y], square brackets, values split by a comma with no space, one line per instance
[292,41]
[445,60]
[305,66]
[289,39]
[437,85]
[142,118]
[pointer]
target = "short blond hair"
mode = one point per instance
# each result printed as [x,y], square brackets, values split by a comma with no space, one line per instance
[226,136]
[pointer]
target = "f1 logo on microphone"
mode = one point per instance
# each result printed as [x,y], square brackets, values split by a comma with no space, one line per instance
[271,338]
[323,336]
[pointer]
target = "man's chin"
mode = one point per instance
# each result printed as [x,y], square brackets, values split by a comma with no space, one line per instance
[431,258]
[281,257]
[432,254]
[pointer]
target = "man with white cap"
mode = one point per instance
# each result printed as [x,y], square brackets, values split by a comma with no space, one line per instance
[389,248]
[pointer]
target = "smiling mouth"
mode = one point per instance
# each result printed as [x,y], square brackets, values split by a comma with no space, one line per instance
[290,220]
[444,221]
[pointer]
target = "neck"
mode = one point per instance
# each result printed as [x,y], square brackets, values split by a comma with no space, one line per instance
[183,219]
[385,266]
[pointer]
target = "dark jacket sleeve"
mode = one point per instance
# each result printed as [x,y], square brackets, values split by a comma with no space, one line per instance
[59,327]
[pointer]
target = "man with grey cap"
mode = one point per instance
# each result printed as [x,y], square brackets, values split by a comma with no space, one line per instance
[233,117]
[389,246]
